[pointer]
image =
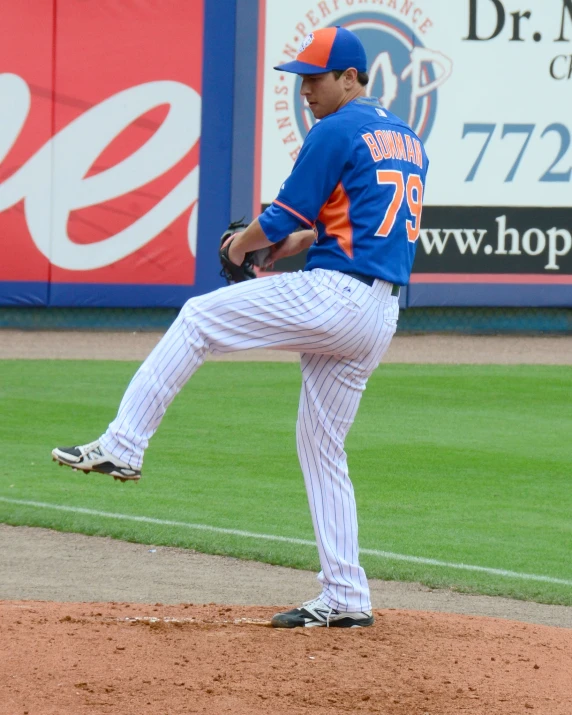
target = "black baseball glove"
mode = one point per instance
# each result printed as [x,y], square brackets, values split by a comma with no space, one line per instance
[245,271]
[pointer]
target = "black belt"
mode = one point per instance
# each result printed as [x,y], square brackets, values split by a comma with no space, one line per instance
[368,280]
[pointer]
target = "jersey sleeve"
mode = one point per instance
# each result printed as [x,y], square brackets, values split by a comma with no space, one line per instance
[277,223]
[315,175]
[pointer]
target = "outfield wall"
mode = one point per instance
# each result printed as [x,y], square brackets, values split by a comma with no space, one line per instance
[104,110]
[132,132]
[487,85]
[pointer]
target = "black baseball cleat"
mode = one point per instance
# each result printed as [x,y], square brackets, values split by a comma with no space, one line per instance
[93,457]
[317,613]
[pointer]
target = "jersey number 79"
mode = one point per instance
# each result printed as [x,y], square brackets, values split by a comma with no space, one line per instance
[414,192]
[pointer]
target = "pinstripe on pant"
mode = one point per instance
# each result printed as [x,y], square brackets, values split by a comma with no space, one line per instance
[342,328]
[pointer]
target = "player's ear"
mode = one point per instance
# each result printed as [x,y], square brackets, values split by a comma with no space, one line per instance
[350,77]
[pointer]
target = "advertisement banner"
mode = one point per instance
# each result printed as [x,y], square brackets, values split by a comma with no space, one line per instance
[487,85]
[26,77]
[99,145]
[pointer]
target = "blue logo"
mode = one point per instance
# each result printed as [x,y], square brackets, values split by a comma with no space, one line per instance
[404,74]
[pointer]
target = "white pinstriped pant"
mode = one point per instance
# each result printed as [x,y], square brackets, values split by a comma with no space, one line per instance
[342,328]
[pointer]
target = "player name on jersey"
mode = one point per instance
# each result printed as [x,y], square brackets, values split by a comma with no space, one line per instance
[389,144]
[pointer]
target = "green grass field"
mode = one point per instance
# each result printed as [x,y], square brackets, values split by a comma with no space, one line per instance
[458,464]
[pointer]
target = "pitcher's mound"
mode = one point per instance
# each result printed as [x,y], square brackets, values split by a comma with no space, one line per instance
[124,658]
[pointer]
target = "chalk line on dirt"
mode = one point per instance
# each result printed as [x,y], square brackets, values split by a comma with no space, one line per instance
[285,539]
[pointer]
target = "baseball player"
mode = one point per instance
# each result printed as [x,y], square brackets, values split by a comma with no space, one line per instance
[357,189]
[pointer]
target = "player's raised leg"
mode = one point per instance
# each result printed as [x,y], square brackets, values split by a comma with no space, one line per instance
[321,311]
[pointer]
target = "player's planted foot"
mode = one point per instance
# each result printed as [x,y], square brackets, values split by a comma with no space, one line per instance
[317,613]
[93,457]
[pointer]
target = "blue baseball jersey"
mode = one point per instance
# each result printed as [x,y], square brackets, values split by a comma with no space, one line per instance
[358,182]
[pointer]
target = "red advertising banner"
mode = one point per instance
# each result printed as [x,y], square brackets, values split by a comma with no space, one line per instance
[100,142]
[26,80]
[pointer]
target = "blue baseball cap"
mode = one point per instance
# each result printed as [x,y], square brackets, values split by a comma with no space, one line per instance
[327,49]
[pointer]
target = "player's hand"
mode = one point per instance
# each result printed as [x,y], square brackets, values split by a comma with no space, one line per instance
[236,254]
[293,244]
[239,267]
[228,240]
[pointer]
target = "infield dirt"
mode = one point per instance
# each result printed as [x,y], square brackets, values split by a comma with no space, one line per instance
[90,657]
[129,659]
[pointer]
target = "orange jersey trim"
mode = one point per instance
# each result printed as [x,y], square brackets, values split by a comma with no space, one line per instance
[294,213]
[335,215]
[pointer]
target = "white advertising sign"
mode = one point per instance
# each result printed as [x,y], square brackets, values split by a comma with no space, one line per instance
[486,84]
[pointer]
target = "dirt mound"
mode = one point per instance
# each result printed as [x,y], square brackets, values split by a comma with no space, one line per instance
[127,658]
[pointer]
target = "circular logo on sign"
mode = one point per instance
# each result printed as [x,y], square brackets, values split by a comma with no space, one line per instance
[401,71]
